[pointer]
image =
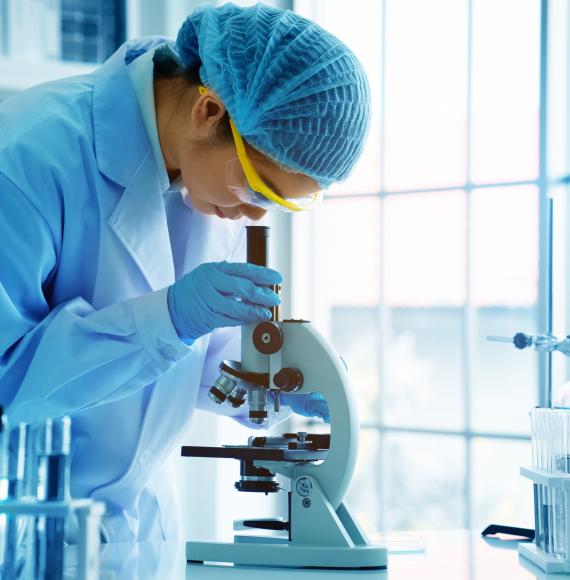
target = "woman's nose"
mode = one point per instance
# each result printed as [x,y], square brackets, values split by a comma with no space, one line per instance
[252,212]
[233,213]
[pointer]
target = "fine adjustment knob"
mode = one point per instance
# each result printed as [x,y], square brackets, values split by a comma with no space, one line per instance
[288,379]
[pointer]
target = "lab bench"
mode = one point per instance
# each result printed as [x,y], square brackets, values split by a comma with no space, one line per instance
[449,555]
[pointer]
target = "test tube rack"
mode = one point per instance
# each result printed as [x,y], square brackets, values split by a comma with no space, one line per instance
[548,562]
[88,513]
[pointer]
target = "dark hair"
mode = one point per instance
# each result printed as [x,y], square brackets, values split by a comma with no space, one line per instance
[166,67]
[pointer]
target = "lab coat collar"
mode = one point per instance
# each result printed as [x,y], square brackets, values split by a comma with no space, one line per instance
[121,141]
[139,221]
[124,155]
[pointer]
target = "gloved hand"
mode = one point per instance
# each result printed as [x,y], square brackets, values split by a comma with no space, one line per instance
[221,294]
[307,405]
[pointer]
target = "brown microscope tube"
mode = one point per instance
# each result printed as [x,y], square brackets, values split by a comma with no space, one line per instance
[258,254]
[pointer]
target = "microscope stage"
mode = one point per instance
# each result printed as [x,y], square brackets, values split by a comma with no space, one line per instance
[247,452]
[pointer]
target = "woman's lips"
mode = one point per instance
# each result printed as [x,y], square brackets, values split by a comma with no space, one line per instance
[219,212]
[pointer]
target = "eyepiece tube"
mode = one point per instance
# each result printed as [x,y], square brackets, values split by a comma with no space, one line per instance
[258,254]
[257,245]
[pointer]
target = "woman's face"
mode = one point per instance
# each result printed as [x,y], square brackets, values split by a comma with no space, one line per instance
[184,138]
[204,176]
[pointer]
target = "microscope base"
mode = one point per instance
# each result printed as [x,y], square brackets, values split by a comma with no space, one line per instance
[263,551]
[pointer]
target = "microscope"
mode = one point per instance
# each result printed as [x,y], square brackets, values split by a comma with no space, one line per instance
[290,356]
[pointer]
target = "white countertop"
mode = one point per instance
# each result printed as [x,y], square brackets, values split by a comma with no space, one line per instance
[454,555]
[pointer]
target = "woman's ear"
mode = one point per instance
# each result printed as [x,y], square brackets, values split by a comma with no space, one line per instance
[206,113]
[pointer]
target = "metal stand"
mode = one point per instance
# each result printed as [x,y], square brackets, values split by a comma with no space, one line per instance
[321,537]
[544,560]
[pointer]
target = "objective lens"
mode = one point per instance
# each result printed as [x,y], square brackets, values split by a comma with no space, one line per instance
[257,406]
[237,397]
[222,389]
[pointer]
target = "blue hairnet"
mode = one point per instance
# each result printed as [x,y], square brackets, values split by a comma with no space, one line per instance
[295,92]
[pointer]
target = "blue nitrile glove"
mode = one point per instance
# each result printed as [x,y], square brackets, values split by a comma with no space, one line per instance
[307,405]
[221,294]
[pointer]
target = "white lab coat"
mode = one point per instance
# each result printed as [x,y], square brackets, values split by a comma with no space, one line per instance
[90,243]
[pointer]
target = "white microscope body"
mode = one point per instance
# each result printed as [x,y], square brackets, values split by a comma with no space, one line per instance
[291,356]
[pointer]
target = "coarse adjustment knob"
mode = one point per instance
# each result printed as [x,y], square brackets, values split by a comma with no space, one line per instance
[267,338]
[288,379]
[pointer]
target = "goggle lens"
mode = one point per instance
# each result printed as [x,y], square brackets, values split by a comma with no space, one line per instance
[237,183]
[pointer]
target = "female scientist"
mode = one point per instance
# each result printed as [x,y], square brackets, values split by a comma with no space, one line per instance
[121,198]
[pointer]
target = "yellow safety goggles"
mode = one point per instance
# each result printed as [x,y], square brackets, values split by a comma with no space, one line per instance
[243,180]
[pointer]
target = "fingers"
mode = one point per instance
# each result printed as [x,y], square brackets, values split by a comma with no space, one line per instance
[228,285]
[259,275]
[240,312]
[308,405]
[317,407]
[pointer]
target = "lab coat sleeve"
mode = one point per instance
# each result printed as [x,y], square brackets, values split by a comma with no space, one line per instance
[225,344]
[55,361]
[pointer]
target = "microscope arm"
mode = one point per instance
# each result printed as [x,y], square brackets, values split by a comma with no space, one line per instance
[324,372]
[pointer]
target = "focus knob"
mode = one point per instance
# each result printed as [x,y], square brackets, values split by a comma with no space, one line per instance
[288,379]
[267,338]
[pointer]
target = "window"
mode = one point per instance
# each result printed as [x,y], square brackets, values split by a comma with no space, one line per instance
[70,30]
[429,247]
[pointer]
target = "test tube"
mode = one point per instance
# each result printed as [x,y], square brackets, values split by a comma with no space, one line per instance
[4,453]
[53,448]
[4,438]
[550,440]
[15,526]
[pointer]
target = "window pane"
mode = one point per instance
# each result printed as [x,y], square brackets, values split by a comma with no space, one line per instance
[505,246]
[501,495]
[504,379]
[424,481]
[425,93]
[425,249]
[505,89]
[348,252]
[361,31]
[347,289]
[355,336]
[363,496]
[422,377]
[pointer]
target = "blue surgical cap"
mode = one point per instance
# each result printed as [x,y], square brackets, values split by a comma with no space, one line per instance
[295,92]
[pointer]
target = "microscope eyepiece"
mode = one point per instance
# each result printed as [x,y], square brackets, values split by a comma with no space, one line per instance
[257,245]
[258,254]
